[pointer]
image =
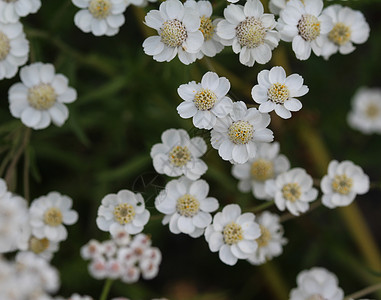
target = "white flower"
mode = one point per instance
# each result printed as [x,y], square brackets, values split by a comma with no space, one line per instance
[14,48]
[304,25]
[249,31]
[233,234]
[292,190]
[49,213]
[79,297]
[44,247]
[100,17]
[125,209]
[11,11]
[120,236]
[275,91]
[212,44]
[140,3]
[40,97]
[365,115]
[342,183]
[271,241]
[275,6]
[186,206]
[179,155]
[205,101]
[317,283]
[178,29]
[92,250]
[349,26]
[98,268]
[266,165]
[236,136]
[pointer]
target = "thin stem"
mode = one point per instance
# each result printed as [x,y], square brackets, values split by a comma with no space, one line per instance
[364,292]
[289,216]
[106,289]
[26,175]
[261,207]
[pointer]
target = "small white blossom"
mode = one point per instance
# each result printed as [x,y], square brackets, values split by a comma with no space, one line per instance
[139,3]
[79,297]
[233,234]
[205,101]
[292,190]
[249,31]
[236,136]
[179,155]
[92,250]
[187,206]
[11,11]
[343,182]
[100,17]
[275,6]
[275,91]
[120,236]
[178,32]
[317,283]
[41,96]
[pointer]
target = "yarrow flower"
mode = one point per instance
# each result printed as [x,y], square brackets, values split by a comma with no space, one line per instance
[275,91]
[276,6]
[292,190]
[317,283]
[249,31]
[365,114]
[179,155]
[266,165]
[304,26]
[343,182]
[271,241]
[233,234]
[236,135]
[100,17]
[12,10]
[41,96]
[14,48]
[205,101]
[124,210]
[179,34]
[349,26]
[187,206]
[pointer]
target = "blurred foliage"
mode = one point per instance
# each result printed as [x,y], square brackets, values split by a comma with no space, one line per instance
[126,100]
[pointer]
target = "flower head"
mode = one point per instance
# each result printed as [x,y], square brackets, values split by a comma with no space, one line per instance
[12,10]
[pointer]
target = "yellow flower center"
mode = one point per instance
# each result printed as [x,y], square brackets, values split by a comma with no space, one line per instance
[342,184]
[241,132]
[206,27]
[340,34]
[278,93]
[100,9]
[265,237]
[187,205]
[179,156]
[250,32]
[372,111]
[5,46]
[38,245]
[53,217]
[262,170]
[291,191]
[173,33]
[124,213]
[42,96]
[233,233]
[309,27]
[205,99]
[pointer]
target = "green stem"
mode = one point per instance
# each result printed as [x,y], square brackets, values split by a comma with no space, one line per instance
[106,289]
[364,292]
[261,207]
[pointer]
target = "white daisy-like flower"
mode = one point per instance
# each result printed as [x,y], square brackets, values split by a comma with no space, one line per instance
[236,136]
[49,214]
[178,29]
[275,91]
[249,31]
[304,26]
[100,17]
[41,96]
[271,241]
[14,48]
[187,206]
[44,247]
[212,44]
[125,209]
[343,182]
[266,165]
[233,234]
[349,27]
[205,101]
[317,283]
[179,155]
[92,250]
[275,6]
[12,10]
[292,190]
[365,115]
